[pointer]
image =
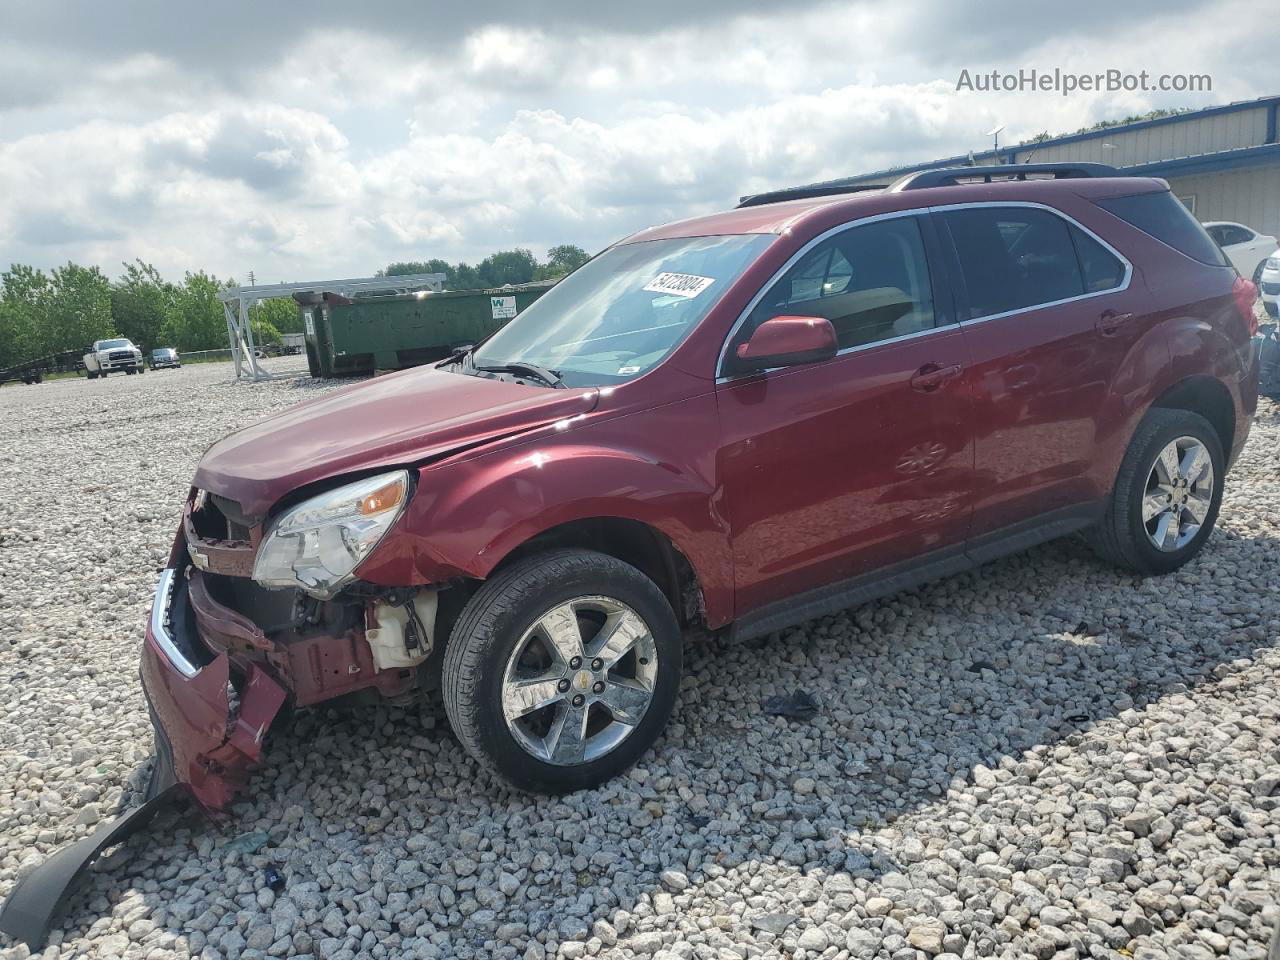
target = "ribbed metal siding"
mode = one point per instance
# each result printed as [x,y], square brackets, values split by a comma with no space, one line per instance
[1251,197]
[1227,131]
[1166,141]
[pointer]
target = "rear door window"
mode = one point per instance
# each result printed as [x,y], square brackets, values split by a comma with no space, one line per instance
[1014,257]
[1160,215]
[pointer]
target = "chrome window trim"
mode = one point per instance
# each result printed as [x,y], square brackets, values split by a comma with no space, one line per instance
[159,628]
[914,212]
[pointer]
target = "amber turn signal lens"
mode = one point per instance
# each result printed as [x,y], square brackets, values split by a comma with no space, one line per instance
[382,499]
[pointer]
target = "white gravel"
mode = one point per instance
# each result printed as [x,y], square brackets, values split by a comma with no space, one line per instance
[1044,758]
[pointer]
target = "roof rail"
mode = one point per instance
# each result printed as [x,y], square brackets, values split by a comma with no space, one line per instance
[951,176]
[803,193]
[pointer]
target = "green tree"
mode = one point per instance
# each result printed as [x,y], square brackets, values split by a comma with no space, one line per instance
[463,276]
[518,265]
[139,300]
[280,314]
[563,258]
[507,266]
[15,335]
[194,319]
[405,268]
[24,297]
[78,307]
[264,331]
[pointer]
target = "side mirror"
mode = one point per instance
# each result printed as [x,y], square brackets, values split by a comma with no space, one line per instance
[787,342]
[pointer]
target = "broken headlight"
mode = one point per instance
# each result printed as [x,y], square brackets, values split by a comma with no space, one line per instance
[317,545]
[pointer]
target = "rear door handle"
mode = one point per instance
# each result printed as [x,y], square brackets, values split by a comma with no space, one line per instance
[933,375]
[1110,322]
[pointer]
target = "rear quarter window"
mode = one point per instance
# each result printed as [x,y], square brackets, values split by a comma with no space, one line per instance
[1161,215]
[1101,270]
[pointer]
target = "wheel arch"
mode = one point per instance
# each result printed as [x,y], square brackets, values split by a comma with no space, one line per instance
[636,542]
[1208,397]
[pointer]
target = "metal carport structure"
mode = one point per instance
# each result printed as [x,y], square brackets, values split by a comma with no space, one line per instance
[236,302]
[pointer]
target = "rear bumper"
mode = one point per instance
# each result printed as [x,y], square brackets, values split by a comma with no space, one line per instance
[189,691]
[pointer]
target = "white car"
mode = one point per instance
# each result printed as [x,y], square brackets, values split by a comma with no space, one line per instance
[1245,248]
[1270,284]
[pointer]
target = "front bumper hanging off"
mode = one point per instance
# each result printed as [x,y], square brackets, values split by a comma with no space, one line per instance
[204,749]
[38,897]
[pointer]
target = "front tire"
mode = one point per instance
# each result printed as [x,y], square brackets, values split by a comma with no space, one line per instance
[562,670]
[1167,494]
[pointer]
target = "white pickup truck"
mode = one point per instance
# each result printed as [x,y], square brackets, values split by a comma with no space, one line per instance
[110,355]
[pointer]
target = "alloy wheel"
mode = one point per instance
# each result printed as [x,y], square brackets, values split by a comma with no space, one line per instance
[1179,493]
[579,680]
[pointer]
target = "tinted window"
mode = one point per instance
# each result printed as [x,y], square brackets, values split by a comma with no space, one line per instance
[1160,215]
[1014,257]
[871,282]
[1101,268]
[1233,234]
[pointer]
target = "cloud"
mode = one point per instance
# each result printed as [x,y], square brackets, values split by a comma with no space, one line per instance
[363,134]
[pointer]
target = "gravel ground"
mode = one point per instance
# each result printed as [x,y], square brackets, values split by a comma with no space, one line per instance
[1044,758]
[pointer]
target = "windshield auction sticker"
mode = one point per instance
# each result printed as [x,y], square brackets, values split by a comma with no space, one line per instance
[685,285]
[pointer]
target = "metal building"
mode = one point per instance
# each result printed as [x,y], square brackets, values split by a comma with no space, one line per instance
[1223,162]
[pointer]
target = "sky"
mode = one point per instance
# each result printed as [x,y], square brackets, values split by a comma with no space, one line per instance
[327,140]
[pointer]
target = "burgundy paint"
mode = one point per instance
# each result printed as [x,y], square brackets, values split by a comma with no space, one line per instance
[769,484]
[834,469]
[212,760]
[378,423]
[787,341]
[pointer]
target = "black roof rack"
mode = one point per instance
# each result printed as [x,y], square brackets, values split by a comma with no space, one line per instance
[951,176]
[802,193]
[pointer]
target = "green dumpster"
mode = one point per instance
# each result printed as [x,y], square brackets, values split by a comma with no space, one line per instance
[348,337]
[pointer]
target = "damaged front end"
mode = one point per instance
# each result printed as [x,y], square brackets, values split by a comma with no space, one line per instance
[221,658]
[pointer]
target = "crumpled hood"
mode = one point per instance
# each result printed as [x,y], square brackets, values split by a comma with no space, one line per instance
[392,420]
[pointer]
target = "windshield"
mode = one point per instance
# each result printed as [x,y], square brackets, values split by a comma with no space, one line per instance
[623,312]
[162,352]
[112,344]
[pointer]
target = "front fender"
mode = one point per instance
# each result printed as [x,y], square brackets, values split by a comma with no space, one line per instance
[467,515]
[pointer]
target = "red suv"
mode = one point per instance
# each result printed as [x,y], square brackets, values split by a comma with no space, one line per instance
[730,423]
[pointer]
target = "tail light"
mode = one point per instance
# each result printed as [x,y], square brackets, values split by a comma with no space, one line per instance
[1245,294]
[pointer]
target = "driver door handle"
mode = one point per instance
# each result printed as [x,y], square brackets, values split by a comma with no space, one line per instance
[933,375]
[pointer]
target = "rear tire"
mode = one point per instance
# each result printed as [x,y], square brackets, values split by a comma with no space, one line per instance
[1166,500]
[513,694]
